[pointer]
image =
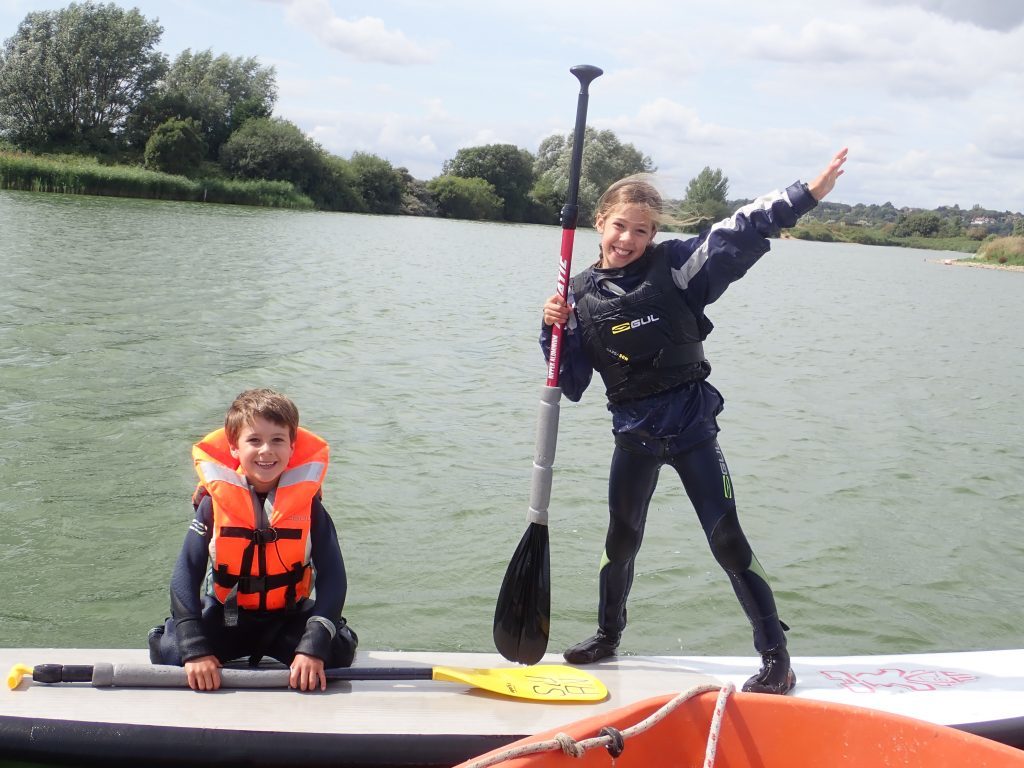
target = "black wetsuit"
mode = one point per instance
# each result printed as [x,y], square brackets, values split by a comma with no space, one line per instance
[197,628]
[677,426]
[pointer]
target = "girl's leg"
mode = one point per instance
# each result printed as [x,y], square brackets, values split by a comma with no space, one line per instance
[631,483]
[705,476]
[707,482]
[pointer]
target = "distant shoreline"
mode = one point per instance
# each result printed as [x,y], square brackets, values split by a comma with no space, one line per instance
[978,264]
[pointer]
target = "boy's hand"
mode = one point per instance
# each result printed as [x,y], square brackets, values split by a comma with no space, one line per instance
[822,185]
[203,673]
[307,673]
[556,310]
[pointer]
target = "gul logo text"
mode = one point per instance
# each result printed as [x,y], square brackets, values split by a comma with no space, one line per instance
[633,324]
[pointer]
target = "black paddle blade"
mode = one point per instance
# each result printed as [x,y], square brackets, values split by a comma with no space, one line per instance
[522,616]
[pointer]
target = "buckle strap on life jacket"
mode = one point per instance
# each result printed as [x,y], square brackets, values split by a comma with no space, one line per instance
[259,536]
[257,584]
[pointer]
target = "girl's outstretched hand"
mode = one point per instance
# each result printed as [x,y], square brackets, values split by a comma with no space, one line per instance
[822,185]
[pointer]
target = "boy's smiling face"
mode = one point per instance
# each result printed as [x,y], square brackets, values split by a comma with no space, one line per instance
[263,452]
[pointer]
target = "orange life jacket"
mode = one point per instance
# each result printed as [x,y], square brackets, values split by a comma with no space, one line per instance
[260,552]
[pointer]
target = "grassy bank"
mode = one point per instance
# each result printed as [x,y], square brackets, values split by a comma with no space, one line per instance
[813,230]
[1008,251]
[84,176]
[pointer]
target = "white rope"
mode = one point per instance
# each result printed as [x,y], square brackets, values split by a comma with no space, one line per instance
[716,725]
[570,746]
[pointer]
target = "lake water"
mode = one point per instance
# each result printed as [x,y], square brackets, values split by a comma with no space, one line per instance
[872,427]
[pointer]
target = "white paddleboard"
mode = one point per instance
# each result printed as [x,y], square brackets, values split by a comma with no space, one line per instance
[977,691]
[440,723]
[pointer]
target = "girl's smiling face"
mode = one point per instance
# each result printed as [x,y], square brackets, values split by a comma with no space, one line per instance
[263,452]
[626,231]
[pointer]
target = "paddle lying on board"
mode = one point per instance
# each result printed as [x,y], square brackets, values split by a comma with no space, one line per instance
[546,682]
[522,616]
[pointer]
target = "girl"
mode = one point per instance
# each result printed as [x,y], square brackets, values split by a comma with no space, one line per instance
[637,318]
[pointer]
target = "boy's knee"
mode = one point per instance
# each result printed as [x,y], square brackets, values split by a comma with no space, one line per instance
[162,647]
[343,648]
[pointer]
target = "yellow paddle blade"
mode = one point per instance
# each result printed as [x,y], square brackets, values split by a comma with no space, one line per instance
[542,682]
[14,677]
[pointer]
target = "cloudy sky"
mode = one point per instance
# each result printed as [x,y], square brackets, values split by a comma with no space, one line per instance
[928,94]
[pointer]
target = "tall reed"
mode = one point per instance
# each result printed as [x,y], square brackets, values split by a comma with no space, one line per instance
[72,174]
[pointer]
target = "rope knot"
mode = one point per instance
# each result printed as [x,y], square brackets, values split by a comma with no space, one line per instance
[569,745]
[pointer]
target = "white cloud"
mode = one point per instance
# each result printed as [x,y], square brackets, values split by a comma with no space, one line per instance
[818,41]
[998,15]
[365,39]
[1003,137]
[901,50]
[664,120]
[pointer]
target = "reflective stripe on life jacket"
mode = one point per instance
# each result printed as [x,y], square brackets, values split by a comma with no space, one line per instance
[644,341]
[260,552]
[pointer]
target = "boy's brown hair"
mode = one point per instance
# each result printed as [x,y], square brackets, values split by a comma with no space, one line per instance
[271,405]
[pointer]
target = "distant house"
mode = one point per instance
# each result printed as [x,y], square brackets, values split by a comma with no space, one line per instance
[982,221]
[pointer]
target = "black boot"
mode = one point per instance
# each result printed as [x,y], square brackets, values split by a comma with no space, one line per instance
[775,675]
[153,640]
[595,648]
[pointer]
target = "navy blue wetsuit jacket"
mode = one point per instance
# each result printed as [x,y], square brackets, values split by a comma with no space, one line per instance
[702,268]
[192,568]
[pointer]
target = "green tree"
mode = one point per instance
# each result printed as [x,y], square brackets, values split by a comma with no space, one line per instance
[605,160]
[220,93]
[919,224]
[461,198]
[272,148]
[380,185]
[507,168]
[952,226]
[706,196]
[69,79]
[176,146]
[1018,226]
[335,186]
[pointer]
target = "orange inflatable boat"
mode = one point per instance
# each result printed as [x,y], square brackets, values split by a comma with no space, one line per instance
[745,730]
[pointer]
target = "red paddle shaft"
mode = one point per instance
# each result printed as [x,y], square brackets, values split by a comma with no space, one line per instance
[570,212]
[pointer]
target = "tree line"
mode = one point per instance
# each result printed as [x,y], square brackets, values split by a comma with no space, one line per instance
[947,221]
[88,80]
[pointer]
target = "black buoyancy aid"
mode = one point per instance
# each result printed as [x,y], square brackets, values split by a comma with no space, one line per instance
[642,342]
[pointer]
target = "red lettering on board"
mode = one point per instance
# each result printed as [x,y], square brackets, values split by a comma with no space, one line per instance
[910,680]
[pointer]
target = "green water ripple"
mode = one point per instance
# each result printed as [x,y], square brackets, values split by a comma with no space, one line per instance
[869,426]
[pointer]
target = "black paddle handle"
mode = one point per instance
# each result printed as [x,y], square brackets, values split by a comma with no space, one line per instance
[62,673]
[380,673]
[586,74]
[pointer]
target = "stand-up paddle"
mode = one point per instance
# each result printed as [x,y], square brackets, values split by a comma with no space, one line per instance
[522,616]
[546,682]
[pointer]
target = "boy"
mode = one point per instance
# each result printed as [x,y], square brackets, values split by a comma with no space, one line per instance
[270,542]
